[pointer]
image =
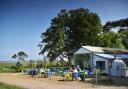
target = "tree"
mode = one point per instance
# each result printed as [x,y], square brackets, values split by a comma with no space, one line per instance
[21,55]
[14,56]
[109,39]
[62,62]
[54,39]
[45,61]
[69,31]
[124,35]
[82,30]
[122,27]
[31,64]
[39,64]
[121,24]
[19,66]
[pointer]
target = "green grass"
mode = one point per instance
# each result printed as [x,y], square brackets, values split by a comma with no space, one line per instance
[7,86]
[108,81]
[9,66]
[6,70]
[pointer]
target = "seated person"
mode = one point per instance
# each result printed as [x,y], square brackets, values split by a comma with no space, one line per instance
[48,73]
[78,68]
[75,73]
[42,71]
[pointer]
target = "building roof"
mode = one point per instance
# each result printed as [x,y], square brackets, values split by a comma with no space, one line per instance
[93,49]
[107,53]
[105,50]
[111,56]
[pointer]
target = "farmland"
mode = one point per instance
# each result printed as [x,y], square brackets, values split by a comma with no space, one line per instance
[9,66]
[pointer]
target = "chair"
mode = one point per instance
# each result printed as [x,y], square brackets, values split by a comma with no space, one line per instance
[68,76]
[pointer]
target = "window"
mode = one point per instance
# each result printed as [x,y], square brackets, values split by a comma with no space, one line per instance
[126,62]
[100,64]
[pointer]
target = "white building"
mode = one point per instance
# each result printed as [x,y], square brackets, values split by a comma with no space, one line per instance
[90,56]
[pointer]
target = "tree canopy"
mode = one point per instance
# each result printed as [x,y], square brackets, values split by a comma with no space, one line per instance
[122,26]
[124,35]
[69,31]
[73,28]
[14,56]
[109,39]
[20,55]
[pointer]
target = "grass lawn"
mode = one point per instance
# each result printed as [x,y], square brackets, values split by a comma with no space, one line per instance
[7,86]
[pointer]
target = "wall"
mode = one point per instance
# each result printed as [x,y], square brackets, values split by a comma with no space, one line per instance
[98,58]
[82,51]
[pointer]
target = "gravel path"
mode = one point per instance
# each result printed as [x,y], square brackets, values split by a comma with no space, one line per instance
[41,83]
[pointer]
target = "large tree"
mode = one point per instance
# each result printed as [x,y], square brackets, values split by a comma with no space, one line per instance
[69,31]
[83,27]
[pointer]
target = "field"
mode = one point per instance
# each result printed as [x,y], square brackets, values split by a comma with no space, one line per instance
[6,66]
[9,66]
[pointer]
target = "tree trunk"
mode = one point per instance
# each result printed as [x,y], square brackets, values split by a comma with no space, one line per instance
[70,60]
[51,64]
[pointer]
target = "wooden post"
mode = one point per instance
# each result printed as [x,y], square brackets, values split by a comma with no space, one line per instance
[114,55]
[96,76]
[92,61]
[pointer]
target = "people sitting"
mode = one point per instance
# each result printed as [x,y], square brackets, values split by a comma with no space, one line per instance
[33,72]
[48,71]
[78,68]
[75,73]
[42,72]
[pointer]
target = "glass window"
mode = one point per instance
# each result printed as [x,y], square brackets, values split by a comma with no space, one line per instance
[126,62]
[100,65]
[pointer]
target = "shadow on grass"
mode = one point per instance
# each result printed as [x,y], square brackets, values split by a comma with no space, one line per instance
[110,81]
[103,80]
[61,80]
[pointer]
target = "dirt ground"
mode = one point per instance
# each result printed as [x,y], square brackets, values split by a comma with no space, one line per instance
[56,82]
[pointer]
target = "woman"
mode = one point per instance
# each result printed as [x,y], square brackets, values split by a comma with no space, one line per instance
[75,73]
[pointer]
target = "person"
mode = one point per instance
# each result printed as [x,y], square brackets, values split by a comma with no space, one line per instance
[75,73]
[78,68]
[42,71]
[33,73]
[70,69]
[71,72]
[89,72]
[48,73]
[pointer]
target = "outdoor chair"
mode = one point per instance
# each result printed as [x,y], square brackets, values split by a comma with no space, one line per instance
[83,75]
[68,76]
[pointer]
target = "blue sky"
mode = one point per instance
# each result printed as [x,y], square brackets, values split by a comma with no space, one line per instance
[23,21]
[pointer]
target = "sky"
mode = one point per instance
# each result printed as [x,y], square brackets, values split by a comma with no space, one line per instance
[23,21]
